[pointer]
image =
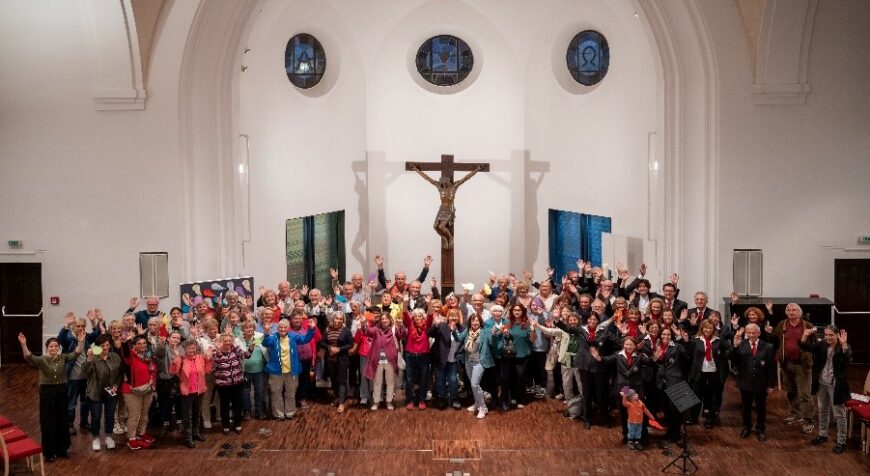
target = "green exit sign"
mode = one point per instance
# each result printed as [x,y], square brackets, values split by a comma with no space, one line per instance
[15,243]
[864,240]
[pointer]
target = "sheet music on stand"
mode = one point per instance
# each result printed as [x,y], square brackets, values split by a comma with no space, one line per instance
[682,396]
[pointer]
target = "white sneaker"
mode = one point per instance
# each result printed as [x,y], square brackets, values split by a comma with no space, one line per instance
[110,443]
[472,408]
[96,445]
[389,406]
[374,407]
[520,405]
[428,395]
[482,413]
[206,424]
[487,396]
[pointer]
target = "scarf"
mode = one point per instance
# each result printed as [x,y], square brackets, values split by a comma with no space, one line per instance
[591,334]
[472,339]
[628,360]
[708,348]
[664,350]
[632,328]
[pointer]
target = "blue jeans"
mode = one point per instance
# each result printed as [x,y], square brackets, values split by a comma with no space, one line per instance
[76,390]
[106,404]
[416,372]
[256,381]
[475,374]
[445,381]
[634,431]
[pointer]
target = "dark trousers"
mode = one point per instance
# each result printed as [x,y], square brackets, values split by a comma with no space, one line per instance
[416,373]
[594,391]
[256,382]
[76,390]
[53,419]
[307,387]
[191,406]
[489,382]
[446,381]
[673,417]
[537,372]
[353,376]
[512,377]
[105,405]
[555,387]
[166,401]
[337,372]
[230,396]
[709,389]
[760,400]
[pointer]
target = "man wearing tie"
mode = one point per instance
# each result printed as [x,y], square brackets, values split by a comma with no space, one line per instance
[756,376]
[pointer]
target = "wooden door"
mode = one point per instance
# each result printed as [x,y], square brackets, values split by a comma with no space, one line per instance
[20,294]
[852,297]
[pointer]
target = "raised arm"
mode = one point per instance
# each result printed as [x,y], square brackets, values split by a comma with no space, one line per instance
[465,179]
[425,177]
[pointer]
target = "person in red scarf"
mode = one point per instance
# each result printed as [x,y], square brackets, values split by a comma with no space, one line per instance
[648,345]
[709,357]
[654,310]
[629,365]
[630,326]
[669,358]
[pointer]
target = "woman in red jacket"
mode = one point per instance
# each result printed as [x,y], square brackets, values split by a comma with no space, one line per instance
[138,392]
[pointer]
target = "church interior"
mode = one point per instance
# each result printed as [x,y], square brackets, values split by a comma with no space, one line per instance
[150,143]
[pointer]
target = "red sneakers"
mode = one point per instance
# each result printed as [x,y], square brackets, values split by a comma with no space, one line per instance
[148,438]
[421,406]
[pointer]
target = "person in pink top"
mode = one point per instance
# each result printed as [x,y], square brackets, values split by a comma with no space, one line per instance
[362,346]
[191,370]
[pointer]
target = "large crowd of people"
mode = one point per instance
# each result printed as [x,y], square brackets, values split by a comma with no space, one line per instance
[595,343]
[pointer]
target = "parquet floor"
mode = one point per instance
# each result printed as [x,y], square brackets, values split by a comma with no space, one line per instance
[536,440]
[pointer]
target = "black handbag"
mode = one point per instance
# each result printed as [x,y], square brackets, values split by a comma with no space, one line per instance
[509,349]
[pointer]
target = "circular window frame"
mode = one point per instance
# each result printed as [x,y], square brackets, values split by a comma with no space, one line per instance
[470,78]
[319,77]
[605,48]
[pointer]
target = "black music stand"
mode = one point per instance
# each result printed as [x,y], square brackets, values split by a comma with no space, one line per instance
[684,399]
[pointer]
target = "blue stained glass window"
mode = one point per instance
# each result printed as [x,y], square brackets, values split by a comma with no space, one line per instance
[573,236]
[588,57]
[444,60]
[304,61]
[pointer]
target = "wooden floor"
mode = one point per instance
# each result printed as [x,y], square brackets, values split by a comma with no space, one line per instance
[534,441]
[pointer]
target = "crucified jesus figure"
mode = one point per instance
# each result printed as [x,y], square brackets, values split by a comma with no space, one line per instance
[447,211]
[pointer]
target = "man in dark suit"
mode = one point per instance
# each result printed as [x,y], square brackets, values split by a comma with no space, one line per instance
[756,376]
[669,295]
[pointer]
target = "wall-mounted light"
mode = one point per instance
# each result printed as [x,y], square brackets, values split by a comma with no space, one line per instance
[241,169]
[656,165]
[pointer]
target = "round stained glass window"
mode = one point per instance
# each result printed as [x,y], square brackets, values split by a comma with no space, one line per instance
[444,60]
[304,61]
[588,57]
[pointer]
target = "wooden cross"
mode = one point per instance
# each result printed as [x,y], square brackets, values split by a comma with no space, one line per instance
[444,219]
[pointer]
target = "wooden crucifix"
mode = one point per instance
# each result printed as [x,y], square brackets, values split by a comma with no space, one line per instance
[447,188]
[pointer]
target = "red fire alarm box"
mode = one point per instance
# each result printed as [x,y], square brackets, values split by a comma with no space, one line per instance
[55,300]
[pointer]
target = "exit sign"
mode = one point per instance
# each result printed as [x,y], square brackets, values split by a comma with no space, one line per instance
[864,240]
[17,243]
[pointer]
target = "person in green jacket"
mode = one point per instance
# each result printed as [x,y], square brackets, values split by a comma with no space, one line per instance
[477,344]
[102,370]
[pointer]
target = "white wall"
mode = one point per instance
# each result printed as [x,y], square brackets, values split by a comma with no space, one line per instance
[512,109]
[92,188]
[795,178]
